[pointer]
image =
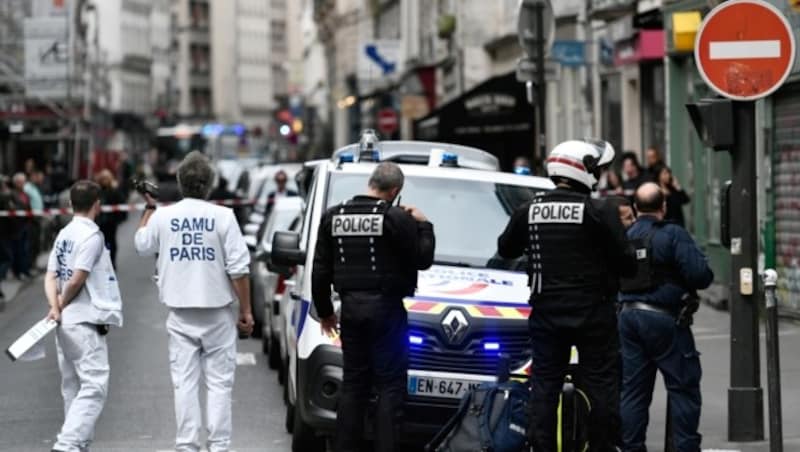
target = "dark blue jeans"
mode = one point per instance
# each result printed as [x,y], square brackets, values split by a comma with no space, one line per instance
[375,355]
[652,341]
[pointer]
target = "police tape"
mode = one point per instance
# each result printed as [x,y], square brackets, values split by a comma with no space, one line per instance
[113,208]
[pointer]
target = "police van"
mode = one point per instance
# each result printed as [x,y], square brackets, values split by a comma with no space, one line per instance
[470,309]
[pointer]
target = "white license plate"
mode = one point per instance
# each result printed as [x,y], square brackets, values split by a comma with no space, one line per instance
[440,386]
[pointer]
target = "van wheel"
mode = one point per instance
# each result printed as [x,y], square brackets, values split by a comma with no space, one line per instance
[274,353]
[282,371]
[289,421]
[304,439]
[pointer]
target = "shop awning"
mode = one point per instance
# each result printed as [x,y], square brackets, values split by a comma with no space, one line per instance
[494,116]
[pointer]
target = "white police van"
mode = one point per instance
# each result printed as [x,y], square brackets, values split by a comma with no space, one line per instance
[470,306]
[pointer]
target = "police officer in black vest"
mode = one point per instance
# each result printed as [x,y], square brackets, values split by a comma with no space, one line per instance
[574,245]
[371,251]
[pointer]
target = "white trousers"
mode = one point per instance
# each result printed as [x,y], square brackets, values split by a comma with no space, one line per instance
[83,361]
[202,342]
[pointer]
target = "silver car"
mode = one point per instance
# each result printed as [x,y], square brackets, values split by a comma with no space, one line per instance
[269,287]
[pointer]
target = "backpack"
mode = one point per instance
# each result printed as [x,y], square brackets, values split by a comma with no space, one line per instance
[491,418]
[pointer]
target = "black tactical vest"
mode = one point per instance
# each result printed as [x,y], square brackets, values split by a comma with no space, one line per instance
[361,258]
[649,273]
[563,253]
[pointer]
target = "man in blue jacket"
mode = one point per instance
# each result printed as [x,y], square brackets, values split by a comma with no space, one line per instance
[654,324]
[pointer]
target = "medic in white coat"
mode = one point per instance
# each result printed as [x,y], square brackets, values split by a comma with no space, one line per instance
[203,266]
[84,297]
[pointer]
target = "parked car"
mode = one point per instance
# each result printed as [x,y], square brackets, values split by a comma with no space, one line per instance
[268,286]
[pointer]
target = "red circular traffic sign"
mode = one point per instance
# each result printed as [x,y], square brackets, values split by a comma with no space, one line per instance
[387,121]
[745,49]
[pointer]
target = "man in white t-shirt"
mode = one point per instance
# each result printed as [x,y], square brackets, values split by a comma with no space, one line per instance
[84,297]
[203,268]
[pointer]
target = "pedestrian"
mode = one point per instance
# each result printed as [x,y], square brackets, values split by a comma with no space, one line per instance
[7,232]
[84,297]
[522,165]
[634,175]
[575,246]
[32,188]
[281,190]
[624,207]
[610,183]
[654,324]
[110,195]
[372,272]
[202,266]
[675,196]
[21,250]
[654,162]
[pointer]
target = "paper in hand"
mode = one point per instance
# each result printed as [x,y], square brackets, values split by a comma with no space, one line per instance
[29,346]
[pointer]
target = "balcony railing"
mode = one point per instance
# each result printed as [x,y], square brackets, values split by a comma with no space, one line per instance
[610,9]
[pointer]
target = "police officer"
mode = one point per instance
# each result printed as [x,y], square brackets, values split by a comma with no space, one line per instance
[84,297]
[371,251]
[574,245]
[203,265]
[654,324]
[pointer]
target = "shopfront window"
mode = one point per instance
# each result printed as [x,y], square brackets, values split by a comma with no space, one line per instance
[611,94]
[654,126]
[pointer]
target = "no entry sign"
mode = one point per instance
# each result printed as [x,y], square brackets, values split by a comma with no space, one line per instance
[387,121]
[745,49]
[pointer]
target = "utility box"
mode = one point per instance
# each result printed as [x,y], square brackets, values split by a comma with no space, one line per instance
[684,30]
[713,121]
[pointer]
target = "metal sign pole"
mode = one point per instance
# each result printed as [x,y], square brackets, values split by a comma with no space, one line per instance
[773,363]
[745,396]
[540,83]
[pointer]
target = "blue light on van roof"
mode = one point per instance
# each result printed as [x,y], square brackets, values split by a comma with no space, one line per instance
[491,346]
[449,159]
[522,170]
[415,340]
[346,158]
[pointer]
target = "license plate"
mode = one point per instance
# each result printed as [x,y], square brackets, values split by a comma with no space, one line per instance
[441,386]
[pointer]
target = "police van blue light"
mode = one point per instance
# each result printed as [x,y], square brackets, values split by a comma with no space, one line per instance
[346,158]
[450,160]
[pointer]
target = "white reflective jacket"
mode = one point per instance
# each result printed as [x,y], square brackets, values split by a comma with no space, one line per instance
[199,247]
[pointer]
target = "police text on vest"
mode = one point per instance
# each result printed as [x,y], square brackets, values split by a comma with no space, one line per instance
[556,212]
[358,225]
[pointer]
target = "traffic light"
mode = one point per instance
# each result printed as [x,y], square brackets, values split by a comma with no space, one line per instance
[713,121]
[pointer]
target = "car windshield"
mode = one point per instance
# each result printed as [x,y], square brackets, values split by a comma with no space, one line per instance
[468,215]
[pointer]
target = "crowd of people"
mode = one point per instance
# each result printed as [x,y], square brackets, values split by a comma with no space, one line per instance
[24,237]
[633,175]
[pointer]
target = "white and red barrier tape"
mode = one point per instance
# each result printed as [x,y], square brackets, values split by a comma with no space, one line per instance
[109,208]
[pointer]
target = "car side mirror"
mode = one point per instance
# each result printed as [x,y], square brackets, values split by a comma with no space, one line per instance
[286,249]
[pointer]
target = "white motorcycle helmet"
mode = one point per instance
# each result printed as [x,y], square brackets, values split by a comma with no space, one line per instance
[580,161]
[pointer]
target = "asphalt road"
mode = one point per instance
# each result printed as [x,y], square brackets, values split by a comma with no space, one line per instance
[139,412]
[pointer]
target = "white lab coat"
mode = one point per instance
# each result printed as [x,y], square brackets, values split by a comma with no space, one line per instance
[199,247]
[82,351]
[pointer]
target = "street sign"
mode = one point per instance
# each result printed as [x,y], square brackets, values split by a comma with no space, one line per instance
[527,72]
[526,25]
[387,121]
[745,49]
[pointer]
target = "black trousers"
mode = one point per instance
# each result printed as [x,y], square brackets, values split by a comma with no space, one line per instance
[375,351]
[596,337]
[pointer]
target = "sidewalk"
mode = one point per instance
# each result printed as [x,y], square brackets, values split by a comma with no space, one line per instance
[712,334]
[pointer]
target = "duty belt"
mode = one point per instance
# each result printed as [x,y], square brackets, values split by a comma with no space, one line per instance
[646,307]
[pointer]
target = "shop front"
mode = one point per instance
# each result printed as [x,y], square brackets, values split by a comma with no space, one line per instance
[495,116]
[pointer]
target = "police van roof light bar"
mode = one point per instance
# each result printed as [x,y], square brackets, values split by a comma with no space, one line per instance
[449,160]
